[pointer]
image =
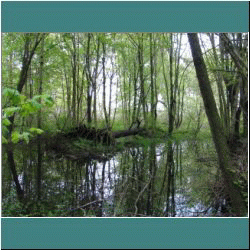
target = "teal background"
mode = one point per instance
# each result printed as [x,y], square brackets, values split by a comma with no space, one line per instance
[192,233]
[124,16]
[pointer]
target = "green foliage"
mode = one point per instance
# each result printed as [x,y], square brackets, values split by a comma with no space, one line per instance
[45,99]
[36,131]
[16,137]
[4,140]
[6,122]
[11,110]
[13,95]
[25,136]
[19,104]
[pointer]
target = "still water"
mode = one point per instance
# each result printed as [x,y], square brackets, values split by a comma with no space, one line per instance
[173,179]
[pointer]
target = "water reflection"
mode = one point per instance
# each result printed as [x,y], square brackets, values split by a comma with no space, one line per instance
[159,180]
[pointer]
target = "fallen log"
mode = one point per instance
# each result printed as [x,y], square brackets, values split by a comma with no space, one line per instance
[101,135]
[128,132]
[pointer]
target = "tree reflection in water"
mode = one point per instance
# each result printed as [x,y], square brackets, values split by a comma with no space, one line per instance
[157,180]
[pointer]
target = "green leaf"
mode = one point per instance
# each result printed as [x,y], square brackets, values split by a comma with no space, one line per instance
[13,94]
[4,140]
[23,98]
[36,105]
[6,122]
[30,107]
[10,92]
[48,100]
[37,97]
[11,110]
[25,136]
[15,137]
[36,131]
[4,130]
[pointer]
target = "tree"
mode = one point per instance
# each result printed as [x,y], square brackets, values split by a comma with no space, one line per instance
[30,45]
[223,152]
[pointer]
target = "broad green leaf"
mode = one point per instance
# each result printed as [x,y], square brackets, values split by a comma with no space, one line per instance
[37,97]
[22,98]
[36,105]
[15,137]
[48,100]
[25,136]
[13,94]
[10,92]
[4,130]
[11,110]
[4,140]
[30,107]
[6,122]
[36,131]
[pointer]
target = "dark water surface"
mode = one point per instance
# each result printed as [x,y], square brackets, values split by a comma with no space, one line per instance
[174,179]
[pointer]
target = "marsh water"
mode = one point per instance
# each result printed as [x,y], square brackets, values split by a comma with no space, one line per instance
[172,179]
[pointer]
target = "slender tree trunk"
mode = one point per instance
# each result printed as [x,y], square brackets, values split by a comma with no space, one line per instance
[104,85]
[152,75]
[39,124]
[74,78]
[10,78]
[177,87]
[238,60]
[219,79]
[171,101]
[135,107]
[94,82]
[141,74]
[225,163]
[89,87]
[11,161]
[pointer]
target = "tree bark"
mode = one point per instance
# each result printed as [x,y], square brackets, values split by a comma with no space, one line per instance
[104,84]
[11,161]
[89,87]
[39,125]
[171,101]
[141,76]
[223,152]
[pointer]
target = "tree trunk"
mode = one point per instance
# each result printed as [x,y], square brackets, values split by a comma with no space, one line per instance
[11,161]
[89,87]
[94,80]
[171,101]
[141,75]
[39,125]
[225,163]
[27,58]
[219,79]
[104,85]
[152,80]
[74,79]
